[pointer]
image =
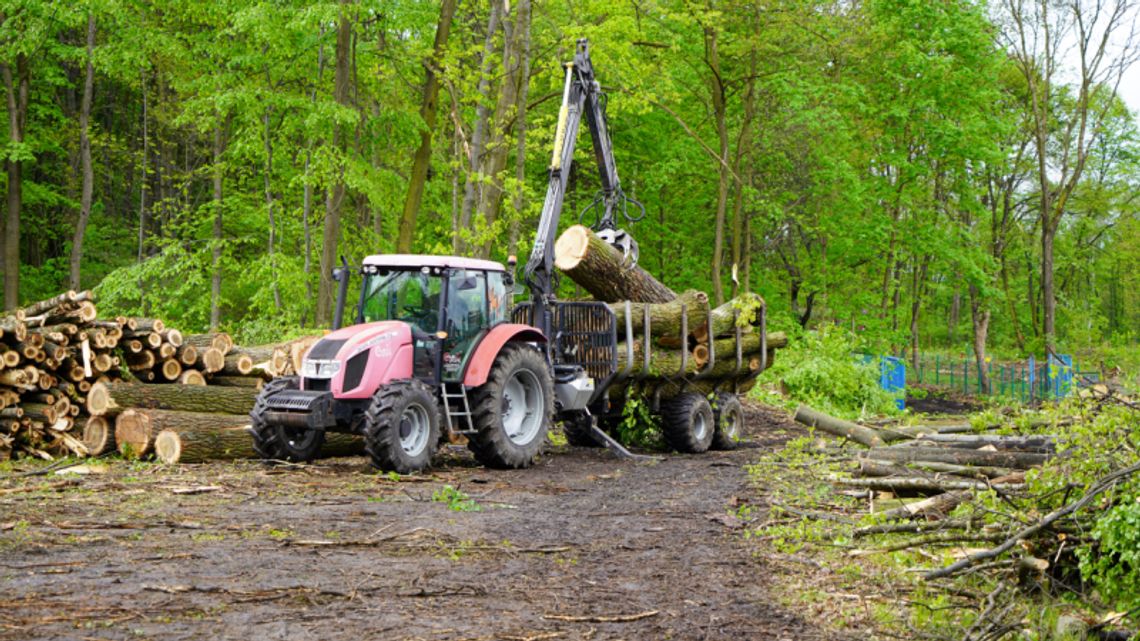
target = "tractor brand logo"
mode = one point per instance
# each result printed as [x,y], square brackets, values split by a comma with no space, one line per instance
[451,362]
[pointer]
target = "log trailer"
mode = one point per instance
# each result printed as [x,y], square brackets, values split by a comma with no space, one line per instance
[436,348]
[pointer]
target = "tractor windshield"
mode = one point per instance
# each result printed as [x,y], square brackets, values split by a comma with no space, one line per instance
[411,296]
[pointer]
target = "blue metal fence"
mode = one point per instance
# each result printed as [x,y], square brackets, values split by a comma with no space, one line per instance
[1029,380]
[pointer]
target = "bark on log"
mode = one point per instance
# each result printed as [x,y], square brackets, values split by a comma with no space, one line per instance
[38,308]
[1016,460]
[664,318]
[191,440]
[98,436]
[935,507]
[872,467]
[919,484]
[839,427]
[111,398]
[1042,444]
[600,270]
[238,381]
[220,341]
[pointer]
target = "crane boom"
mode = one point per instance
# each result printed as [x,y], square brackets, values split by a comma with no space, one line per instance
[581,95]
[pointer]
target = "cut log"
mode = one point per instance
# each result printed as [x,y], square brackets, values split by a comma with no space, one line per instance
[918,484]
[237,365]
[220,341]
[238,381]
[988,458]
[1042,444]
[187,355]
[602,271]
[192,377]
[664,318]
[170,369]
[172,336]
[111,398]
[133,435]
[149,325]
[211,359]
[933,508]
[839,427]
[98,435]
[38,308]
[872,467]
[190,443]
[144,360]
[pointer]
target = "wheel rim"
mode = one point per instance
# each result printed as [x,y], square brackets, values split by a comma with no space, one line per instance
[732,425]
[523,403]
[700,426]
[414,429]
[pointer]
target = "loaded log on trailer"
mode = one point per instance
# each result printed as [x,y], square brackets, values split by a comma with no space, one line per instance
[435,351]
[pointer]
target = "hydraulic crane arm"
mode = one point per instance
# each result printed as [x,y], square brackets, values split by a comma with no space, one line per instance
[581,95]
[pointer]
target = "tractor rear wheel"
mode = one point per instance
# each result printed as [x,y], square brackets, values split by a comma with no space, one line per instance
[512,411]
[401,427]
[729,416]
[687,423]
[280,442]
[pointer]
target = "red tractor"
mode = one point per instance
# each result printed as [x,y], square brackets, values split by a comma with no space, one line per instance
[437,348]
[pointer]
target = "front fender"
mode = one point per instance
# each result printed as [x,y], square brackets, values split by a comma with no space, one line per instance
[479,365]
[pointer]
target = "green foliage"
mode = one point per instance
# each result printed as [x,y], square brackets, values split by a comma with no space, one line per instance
[820,369]
[639,426]
[1114,564]
[457,500]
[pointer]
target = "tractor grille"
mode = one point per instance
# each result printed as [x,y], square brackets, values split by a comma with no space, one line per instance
[354,370]
[294,400]
[325,349]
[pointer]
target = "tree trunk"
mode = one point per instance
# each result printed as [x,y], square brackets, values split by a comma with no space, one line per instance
[269,206]
[110,398]
[980,319]
[839,427]
[1017,460]
[216,252]
[17,89]
[712,59]
[428,108]
[1049,300]
[482,114]
[335,196]
[145,169]
[84,159]
[664,318]
[186,442]
[743,143]
[600,270]
[519,200]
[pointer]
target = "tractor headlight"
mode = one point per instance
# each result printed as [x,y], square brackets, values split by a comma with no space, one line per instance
[316,368]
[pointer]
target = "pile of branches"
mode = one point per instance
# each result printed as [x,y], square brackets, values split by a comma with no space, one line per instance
[679,343]
[53,353]
[915,477]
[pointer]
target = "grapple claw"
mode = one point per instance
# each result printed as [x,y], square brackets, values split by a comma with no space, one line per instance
[623,242]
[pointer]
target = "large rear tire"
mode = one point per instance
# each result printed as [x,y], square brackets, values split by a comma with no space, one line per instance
[512,411]
[278,442]
[401,427]
[729,416]
[687,423]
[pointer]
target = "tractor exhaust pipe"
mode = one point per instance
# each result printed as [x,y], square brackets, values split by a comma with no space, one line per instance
[340,275]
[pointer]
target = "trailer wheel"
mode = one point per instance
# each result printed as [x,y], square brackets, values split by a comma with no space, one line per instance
[578,431]
[512,411]
[279,442]
[729,416]
[401,427]
[687,423]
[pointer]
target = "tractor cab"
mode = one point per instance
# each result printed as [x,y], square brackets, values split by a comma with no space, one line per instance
[448,302]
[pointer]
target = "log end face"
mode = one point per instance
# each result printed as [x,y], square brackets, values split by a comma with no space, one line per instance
[571,247]
[132,434]
[98,400]
[168,447]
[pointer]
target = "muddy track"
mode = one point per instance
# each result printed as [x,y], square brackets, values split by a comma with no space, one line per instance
[582,546]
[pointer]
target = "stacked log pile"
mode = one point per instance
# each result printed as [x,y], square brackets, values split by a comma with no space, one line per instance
[924,472]
[57,353]
[677,362]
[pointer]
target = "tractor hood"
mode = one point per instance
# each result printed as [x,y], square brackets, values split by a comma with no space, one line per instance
[352,362]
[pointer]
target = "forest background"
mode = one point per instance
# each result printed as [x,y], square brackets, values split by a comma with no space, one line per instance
[933,175]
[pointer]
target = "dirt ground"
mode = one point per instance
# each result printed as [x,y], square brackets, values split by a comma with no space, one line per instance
[581,546]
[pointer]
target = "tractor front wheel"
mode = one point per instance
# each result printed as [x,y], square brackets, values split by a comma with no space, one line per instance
[513,409]
[401,427]
[279,442]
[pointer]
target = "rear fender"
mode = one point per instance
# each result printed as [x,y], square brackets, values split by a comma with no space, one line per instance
[479,365]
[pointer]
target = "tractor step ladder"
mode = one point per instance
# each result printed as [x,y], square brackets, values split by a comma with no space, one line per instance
[462,408]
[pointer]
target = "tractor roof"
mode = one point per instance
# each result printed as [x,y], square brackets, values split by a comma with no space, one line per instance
[413,261]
